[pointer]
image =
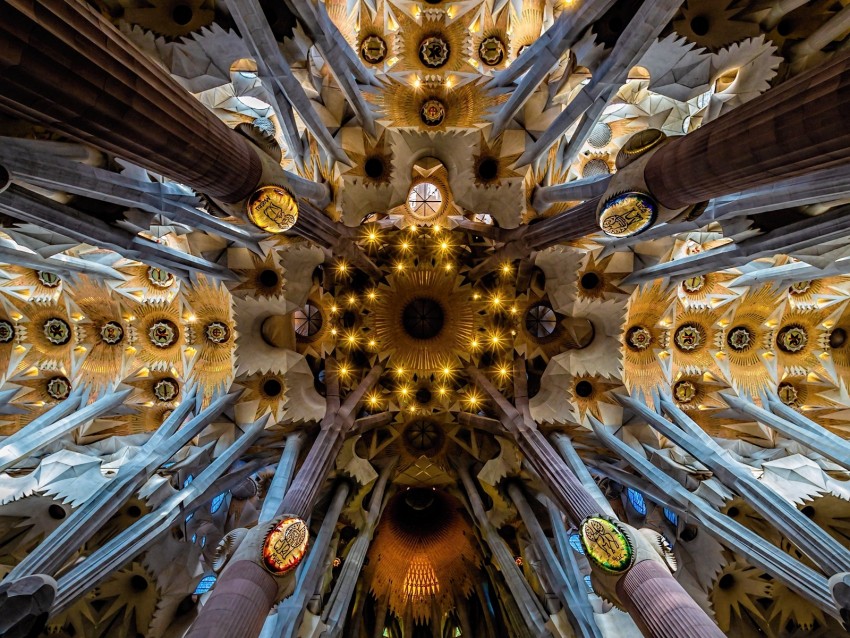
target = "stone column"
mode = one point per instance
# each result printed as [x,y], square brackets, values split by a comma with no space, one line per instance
[533,615]
[291,611]
[240,609]
[282,477]
[674,614]
[340,598]
[63,65]
[575,603]
[787,131]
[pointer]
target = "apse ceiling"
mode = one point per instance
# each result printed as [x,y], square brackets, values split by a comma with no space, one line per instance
[436,153]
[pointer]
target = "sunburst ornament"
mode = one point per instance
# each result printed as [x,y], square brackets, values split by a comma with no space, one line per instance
[746,341]
[214,342]
[107,340]
[147,284]
[736,591]
[52,335]
[160,335]
[644,337]
[423,319]
[35,286]
[435,42]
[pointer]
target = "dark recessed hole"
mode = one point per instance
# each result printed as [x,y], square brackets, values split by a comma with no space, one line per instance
[269,278]
[589,280]
[138,583]
[688,534]
[423,395]
[56,511]
[186,605]
[488,169]
[785,27]
[837,338]
[348,319]
[699,25]
[615,24]
[726,581]
[422,318]
[182,14]
[809,511]
[584,388]
[134,511]
[374,167]
[272,387]
[732,512]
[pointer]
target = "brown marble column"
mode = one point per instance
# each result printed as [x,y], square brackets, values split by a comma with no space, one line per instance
[656,602]
[790,130]
[227,612]
[64,66]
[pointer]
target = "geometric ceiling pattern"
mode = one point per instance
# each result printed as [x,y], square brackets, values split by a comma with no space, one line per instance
[424,318]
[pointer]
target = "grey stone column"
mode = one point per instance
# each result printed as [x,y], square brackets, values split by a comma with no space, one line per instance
[282,477]
[335,611]
[574,600]
[533,615]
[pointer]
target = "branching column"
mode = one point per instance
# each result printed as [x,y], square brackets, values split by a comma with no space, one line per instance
[673,613]
[63,65]
[245,591]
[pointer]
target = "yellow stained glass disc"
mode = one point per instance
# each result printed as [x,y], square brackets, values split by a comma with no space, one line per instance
[273,209]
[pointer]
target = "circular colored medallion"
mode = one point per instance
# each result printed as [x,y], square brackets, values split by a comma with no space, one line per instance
[159,277]
[627,214]
[7,332]
[434,51]
[638,338]
[491,51]
[59,388]
[688,337]
[788,394]
[166,389]
[792,339]
[606,545]
[694,284]
[433,112]
[800,287]
[373,49]
[48,279]
[111,333]
[285,546]
[684,391]
[57,331]
[217,332]
[273,209]
[163,333]
[740,338]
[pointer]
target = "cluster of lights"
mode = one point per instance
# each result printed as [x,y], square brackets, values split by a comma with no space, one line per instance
[401,251]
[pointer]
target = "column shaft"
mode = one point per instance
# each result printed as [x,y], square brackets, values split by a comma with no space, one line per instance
[660,607]
[63,65]
[788,131]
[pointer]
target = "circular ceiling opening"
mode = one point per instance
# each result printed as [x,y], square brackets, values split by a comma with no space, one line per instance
[422,318]
[488,169]
[182,14]
[374,168]
[541,321]
[269,278]
[307,321]
[425,200]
